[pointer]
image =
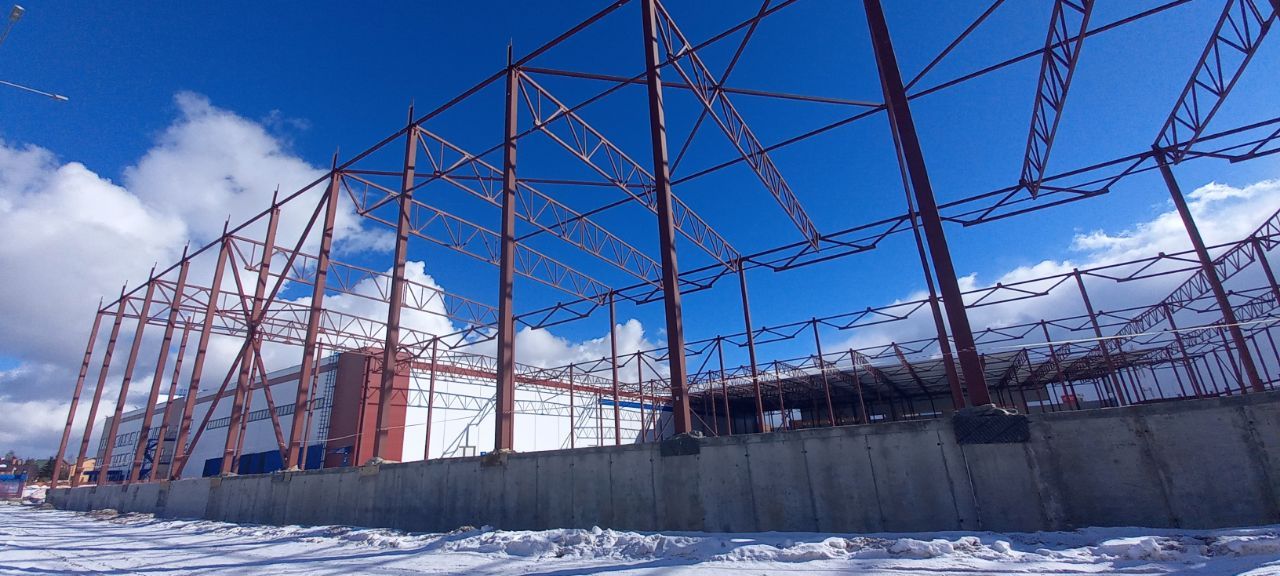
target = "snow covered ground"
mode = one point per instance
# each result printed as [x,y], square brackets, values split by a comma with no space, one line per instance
[41,541]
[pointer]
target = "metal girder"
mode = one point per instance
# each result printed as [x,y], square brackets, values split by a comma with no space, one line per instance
[1003,203]
[536,208]
[1021,359]
[1067,24]
[286,323]
[144,432]
[1210,273]
[143,319]
[505,395]
[878,375]
[310,365]
[1235,40]
[75,396]
[1227,265]
[902,359]
[665,207]
[470,403]
[911,161]
[611,163]
[705,87]
[449,231]
[348,279]
[1039,373]
[244,393]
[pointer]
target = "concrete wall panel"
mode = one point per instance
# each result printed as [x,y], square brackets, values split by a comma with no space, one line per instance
[780,483]
[914,480]
[1204,463]
[520,494]
[679,503]
[841,483]
[592,493]
[1006,487]
[1100,463]
[555,489]
[724,475]
[1199,495]
[187,499]
[635,506]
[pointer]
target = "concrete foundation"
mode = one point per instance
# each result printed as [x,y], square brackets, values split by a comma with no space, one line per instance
[1191,464]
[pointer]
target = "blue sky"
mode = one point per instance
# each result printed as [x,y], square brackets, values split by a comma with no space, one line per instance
[326,75]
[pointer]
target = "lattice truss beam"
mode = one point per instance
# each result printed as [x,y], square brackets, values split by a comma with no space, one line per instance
[1235,39]
[686,62]
[887,364]
[1067,24]
[567,128]
[1021,359]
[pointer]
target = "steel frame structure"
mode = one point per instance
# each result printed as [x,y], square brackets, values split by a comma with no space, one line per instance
[1064,362]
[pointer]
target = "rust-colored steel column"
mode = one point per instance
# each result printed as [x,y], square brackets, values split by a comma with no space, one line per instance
[296,451]
[505,398]
[157,378]
[782,403]
[939,324]
[572,435]
[431,395]
[1116,389]
[1155,378]
[715,421]
[358,451]
[165,423]
[75,394]
[1182,351]
[1057,366]
[1261,254]
[1210,273]
[391,347]
[97,393]
[666,225]
[244,384]
[1235,369]
[613,365]
[104,467]
[751,346]
[1257,349]
[311,404]
[640,385]
[901,121]
[1182,388]
[857,386]
[724,388]
[822,367]
[197,366]
[245,410]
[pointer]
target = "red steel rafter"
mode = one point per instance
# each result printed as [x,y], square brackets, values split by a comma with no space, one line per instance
[1235,40]
[534,207]
[1067,23]
[716,103]
[567,128]
[362,282]
[445,229]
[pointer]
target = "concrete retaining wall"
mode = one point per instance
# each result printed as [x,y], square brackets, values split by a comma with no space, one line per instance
[1195,464]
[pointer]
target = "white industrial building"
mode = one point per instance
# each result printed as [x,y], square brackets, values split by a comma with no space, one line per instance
[339,433]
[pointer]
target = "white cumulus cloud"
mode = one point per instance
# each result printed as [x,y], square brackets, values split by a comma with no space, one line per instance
[72,236]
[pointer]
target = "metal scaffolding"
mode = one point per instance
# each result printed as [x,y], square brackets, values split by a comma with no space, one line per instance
[1221,342]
